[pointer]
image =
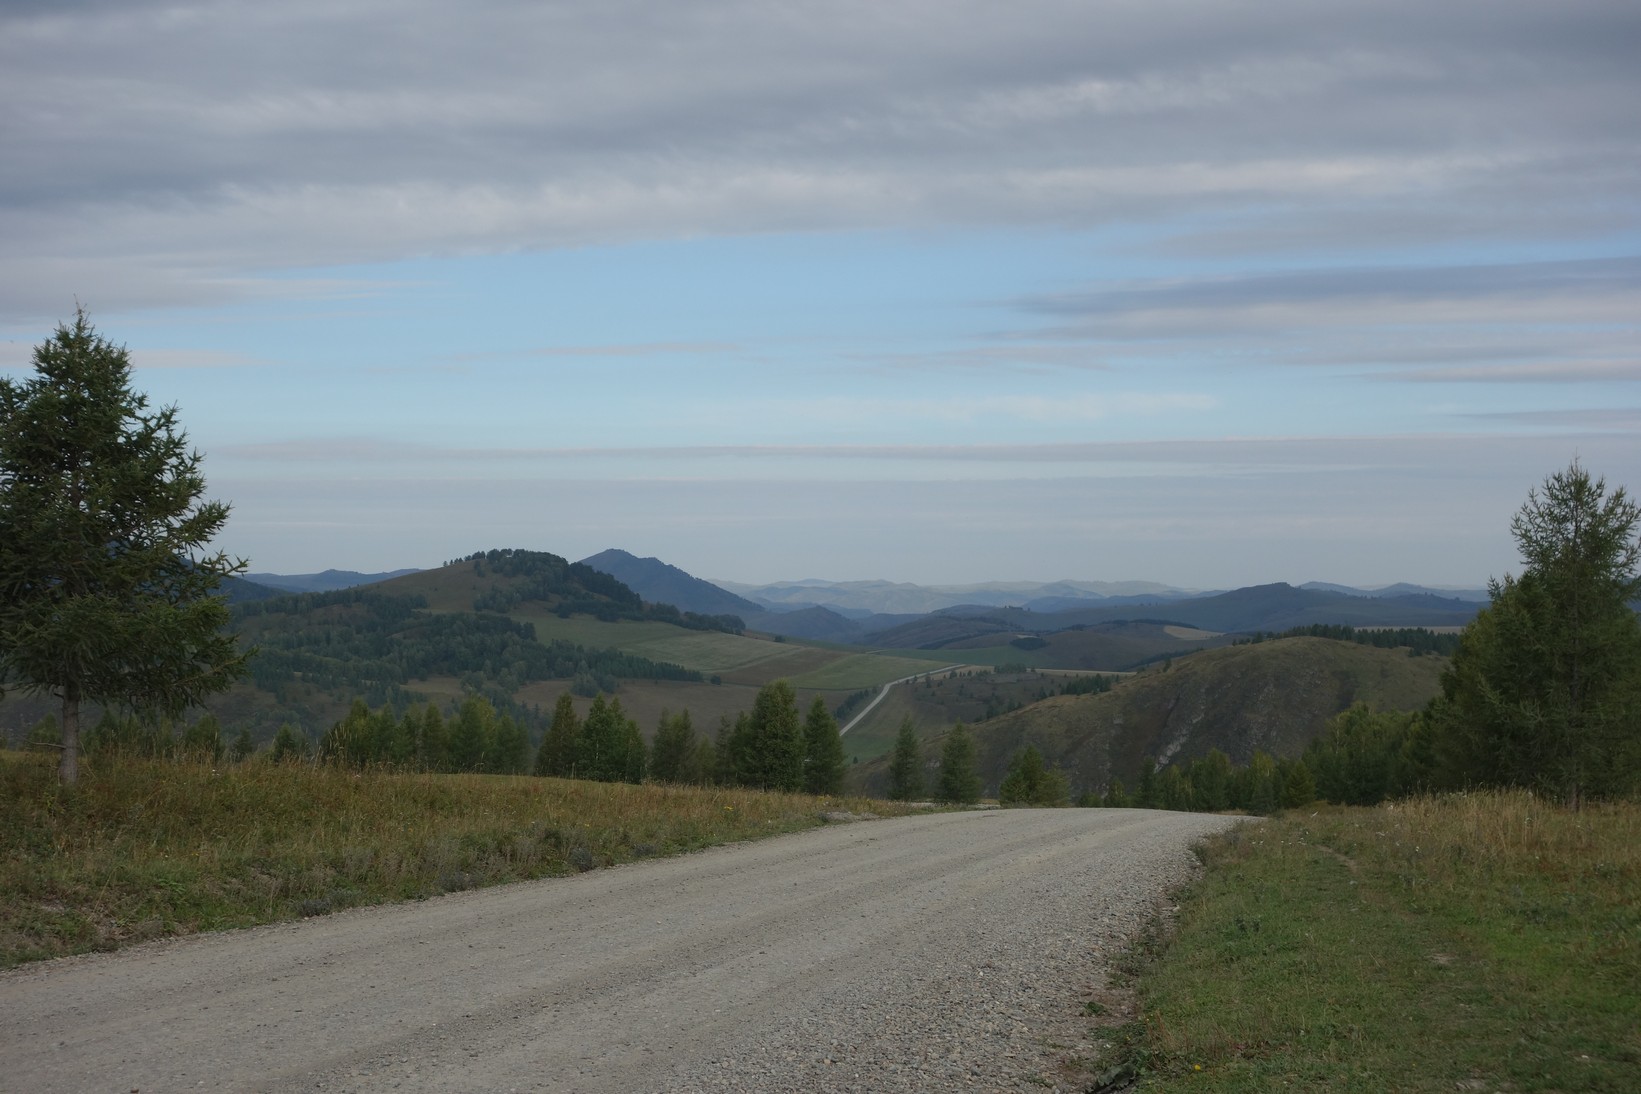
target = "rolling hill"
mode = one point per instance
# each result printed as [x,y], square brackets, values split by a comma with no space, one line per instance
[1273,696]
[518,627]
[324,582]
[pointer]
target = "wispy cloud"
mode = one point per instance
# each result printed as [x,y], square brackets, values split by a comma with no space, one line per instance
[1547,372]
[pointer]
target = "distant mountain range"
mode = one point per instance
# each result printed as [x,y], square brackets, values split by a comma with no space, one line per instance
[907,616]
[862,598]
[899,615]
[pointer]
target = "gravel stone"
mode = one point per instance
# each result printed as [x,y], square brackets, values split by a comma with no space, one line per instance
[944,952]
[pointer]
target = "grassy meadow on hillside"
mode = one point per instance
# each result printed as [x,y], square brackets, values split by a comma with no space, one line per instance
[1274,696]
[1473,942]
[1101,647]
[144,850]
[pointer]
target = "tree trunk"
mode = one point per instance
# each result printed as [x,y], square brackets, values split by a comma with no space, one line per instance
[68,764]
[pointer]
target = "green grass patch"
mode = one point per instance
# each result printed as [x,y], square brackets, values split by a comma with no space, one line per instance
[140,850]
[863,670]
[704,651]
[1485,942]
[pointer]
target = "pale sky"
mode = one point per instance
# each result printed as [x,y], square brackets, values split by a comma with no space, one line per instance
[1210,294]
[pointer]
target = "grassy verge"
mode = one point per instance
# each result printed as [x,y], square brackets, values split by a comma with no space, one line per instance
[142,850]
[1483,942]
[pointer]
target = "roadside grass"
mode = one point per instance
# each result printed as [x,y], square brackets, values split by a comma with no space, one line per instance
[1472,942]
[141,850]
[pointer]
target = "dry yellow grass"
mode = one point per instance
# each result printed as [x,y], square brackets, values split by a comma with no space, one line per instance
[141,849]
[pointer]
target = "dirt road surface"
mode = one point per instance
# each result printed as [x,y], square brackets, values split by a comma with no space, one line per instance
[939,952]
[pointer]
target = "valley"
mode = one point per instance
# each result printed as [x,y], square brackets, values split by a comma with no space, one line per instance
[522,628]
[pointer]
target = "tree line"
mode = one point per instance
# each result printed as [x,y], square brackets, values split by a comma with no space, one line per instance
[356,639]
[770,747]
[1416,640]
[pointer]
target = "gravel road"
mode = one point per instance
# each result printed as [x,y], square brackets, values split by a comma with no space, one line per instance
[940,952]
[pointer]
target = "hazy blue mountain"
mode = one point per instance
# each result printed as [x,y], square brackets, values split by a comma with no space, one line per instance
[660,583]
[859,598]
[1401,588]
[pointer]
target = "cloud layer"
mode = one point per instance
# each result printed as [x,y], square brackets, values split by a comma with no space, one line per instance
[172,152]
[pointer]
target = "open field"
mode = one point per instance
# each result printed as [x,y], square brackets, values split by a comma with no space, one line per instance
[1483,942]
[142,850]
[863,670]
[1105,647]
[707,652]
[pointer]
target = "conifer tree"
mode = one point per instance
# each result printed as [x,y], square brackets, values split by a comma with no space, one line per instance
[560,745]
[601,749]
[674,748]
[959,780]
[906,768]
[1116,796]
[769,753]
[1544,690]
[347,741]
[1298,784]
[510,747]
[106,592]
[202,741]
[634,755]
[1021,781]
[289,745]
[823,751]
[433,744]
[472,735]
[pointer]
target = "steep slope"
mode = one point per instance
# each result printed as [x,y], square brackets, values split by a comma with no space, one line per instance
[661,583]
[1274,696]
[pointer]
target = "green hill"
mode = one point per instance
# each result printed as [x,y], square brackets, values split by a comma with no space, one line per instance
[1273,696]
[518,627]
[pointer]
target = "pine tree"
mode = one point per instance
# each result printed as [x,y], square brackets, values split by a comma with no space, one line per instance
[1298,784]
[634,755]
[1023,783]
[1211,781]
[1544,690]
[433,743]
[472,735]
[348,741]
[560,744]
[770,751]
[510,747]
[823,751]
[1148,795]
[959,780]
[601,750]
[674,748]
[290,745]
[906,769]
[202,741]
[106,594]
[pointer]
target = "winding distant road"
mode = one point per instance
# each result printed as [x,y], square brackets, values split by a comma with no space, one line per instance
[884,691]
[938,952]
